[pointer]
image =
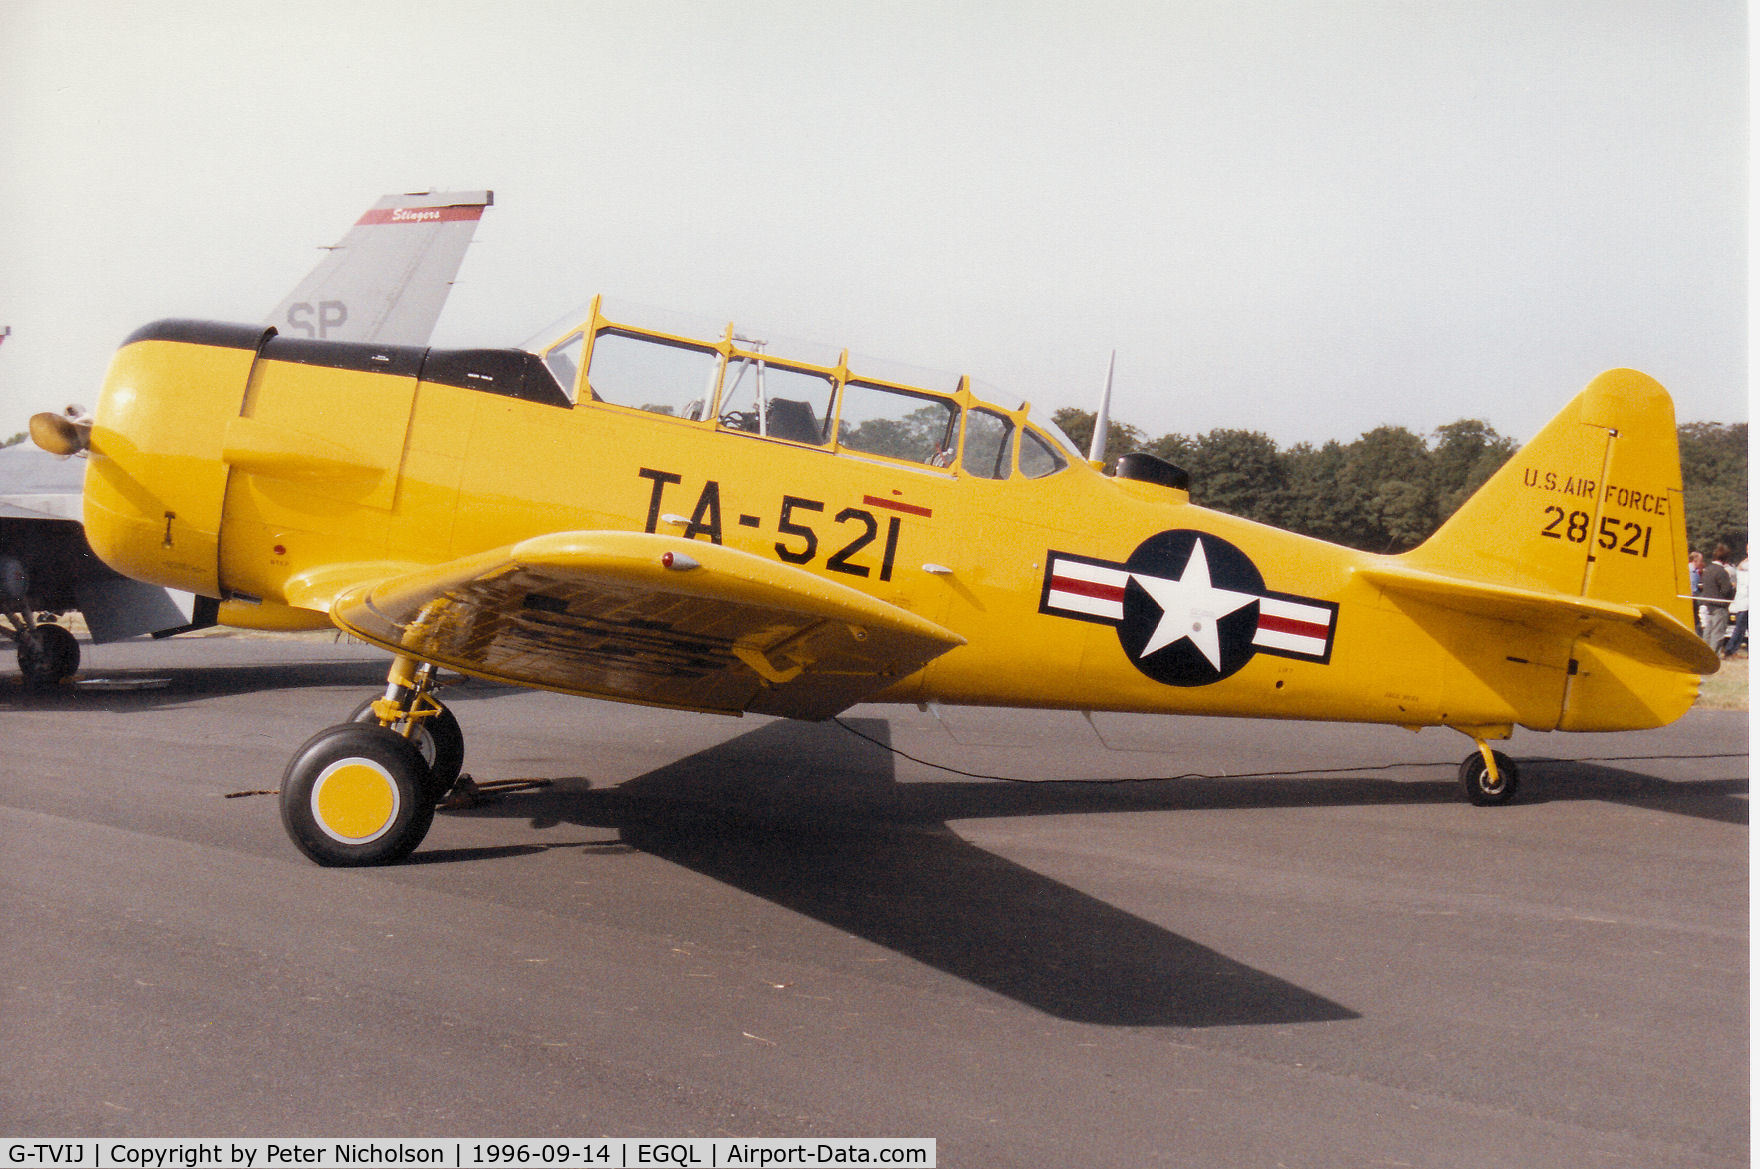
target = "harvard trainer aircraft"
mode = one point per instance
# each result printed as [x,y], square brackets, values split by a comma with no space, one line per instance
[712,523]
[386,281]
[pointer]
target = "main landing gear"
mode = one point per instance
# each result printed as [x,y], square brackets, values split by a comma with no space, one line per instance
[364,792]
[47,652]
[1489,777]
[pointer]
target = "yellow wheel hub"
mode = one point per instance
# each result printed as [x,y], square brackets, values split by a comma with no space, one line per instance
[355,801]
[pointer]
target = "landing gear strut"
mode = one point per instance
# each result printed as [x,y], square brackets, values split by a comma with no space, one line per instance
[363,792]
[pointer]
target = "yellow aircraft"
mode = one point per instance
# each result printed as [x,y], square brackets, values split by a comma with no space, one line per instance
[710,523]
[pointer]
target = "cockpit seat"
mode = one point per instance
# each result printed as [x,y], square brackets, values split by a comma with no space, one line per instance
[793,419]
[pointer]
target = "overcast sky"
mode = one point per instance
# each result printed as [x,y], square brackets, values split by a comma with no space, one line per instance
[1303,218]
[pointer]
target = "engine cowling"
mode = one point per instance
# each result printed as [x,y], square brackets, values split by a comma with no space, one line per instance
[156,482]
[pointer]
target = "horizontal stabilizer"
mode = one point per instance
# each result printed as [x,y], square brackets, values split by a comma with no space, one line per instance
[1638,631]
[645,618]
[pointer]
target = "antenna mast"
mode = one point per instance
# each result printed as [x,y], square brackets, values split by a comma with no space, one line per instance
[1102,421]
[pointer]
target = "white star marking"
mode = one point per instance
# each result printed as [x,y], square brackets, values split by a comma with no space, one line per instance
[1191,607]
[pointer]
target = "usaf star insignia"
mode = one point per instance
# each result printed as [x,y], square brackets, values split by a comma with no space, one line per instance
[1190,608]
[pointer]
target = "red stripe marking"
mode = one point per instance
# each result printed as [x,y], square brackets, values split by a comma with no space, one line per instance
[909,508]
[1295,626]
[421,214]
[1087,588]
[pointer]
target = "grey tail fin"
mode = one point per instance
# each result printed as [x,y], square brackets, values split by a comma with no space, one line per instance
[388,279]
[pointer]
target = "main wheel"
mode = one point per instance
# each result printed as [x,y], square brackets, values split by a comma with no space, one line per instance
[437,737]
[356,794]
[47,654]
[1476,779]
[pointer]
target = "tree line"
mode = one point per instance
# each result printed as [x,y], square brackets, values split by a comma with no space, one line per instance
[1387,490]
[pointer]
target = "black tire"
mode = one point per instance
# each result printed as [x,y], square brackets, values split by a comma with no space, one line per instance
[1476,780]
[437,738]
[47,654]
[356,794]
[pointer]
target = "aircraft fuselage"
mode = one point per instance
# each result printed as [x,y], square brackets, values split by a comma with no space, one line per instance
[270,473]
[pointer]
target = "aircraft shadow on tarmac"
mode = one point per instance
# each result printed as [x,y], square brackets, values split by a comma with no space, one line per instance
[846,844]
[1723,799]
[1544,779]
[814,820]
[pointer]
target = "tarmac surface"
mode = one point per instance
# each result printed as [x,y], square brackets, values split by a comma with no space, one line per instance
[745,927]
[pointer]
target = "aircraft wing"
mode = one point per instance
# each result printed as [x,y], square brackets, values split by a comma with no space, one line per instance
[602,614]
[1642,632]
[39,507]
[35,485]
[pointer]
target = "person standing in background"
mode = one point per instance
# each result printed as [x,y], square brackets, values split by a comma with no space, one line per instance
[1738,609]
[1695,567]
[1718,588]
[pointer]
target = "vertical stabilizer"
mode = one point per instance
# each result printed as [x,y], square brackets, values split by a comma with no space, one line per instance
[389,277]
[1591,508]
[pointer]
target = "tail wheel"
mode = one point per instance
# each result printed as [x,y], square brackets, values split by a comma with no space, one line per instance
[1480,788]
[47,654]
[356,794]
[438,739]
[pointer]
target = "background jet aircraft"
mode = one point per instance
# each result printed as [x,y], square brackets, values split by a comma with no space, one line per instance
[385,282]
[388,279]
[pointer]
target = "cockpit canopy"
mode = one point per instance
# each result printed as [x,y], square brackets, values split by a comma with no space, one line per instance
[747,385]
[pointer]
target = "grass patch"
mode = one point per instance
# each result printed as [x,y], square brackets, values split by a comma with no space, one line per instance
[1728,688]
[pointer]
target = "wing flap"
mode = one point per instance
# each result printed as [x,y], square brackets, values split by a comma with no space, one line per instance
[601,614]
[1641,632]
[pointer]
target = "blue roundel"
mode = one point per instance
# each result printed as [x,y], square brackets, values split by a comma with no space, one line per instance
[1191,608]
